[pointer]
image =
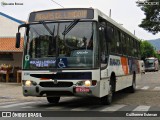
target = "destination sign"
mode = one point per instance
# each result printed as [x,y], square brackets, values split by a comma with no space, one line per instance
[62,14]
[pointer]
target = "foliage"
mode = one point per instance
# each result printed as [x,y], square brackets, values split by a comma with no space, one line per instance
[151,22]
[147,50]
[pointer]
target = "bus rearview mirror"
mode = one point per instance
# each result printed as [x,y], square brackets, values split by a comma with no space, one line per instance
[18,37]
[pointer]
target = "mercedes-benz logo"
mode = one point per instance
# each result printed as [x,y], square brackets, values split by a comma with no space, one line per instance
[55,82]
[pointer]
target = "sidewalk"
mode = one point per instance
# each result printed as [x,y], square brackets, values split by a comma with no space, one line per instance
[12,92]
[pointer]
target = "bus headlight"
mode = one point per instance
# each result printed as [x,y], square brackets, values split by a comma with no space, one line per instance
[28,83]
[87,83]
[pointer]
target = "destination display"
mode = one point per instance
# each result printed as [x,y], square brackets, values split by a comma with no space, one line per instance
[61,14]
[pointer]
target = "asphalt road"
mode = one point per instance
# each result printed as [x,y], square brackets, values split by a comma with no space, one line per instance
[144,100]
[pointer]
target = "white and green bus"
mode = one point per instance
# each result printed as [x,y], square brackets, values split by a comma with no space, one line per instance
[151,64]
[77,52]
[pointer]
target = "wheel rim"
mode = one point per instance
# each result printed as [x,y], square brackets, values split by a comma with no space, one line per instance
[134,85]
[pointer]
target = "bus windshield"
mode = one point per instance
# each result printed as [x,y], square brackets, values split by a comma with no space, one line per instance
[48,47]
[149,63]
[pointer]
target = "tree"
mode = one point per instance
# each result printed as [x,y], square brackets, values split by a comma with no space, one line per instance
[151,22]
[147,50]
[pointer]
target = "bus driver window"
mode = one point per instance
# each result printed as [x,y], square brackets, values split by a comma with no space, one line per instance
[103,47]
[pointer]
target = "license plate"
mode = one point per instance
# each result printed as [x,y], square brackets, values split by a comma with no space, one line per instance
[82,89]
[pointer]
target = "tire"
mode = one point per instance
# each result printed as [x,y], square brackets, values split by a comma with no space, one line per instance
[107,100]
[53,100]
[132,88]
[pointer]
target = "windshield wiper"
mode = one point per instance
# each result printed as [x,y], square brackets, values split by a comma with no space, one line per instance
[70,26]
[47,28]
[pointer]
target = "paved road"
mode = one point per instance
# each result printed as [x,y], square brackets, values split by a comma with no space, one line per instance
[145,99]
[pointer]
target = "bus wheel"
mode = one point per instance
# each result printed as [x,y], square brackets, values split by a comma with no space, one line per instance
[53,100]
[132,88]
[107,100]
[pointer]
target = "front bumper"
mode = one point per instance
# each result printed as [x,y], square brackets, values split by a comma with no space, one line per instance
[56,91]
[150,69]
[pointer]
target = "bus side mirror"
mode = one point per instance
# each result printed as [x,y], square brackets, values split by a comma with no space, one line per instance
[18,35]
[18,38]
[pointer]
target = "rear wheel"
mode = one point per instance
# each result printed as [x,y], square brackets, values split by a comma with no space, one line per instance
[53,100]
[132,88]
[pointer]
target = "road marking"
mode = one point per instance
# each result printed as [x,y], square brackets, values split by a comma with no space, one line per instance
[142,108]
[55,108]
[17,104]
[145,88]
[156,88]
[113,108]
[5,103]
[79,109]
[28,107]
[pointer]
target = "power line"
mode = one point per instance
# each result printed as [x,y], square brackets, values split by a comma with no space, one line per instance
[57,3]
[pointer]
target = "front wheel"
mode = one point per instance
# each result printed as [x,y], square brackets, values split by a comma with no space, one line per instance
[53,100]
[107,100]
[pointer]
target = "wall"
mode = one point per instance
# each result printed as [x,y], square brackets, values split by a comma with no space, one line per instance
[17,62]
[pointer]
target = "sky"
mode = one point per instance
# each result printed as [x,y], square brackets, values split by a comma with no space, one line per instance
[124,12]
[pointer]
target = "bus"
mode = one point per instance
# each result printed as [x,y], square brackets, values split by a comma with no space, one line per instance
[77,52]
[151,64]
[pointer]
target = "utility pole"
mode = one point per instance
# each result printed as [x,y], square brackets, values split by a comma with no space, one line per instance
[110,12]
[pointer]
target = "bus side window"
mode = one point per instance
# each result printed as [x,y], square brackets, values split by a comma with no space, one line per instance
[103,47]
[118,41]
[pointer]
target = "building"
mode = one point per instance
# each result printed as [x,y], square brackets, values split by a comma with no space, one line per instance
[8,53]
[158,52]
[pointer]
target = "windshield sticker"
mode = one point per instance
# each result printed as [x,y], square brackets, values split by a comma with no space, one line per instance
[62,62]
[82,52]
[26,57]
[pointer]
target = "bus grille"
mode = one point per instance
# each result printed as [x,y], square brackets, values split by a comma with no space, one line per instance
[59,84]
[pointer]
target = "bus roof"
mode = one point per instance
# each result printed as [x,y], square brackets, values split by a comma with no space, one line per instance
[89,15]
